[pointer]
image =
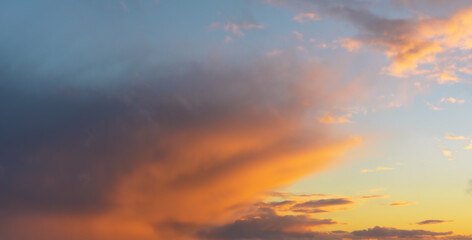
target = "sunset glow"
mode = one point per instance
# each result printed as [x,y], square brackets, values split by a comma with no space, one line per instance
[235,119]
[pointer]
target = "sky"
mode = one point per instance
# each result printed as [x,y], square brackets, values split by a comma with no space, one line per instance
[235,119]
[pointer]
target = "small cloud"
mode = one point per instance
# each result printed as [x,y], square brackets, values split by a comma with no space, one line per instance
[455,137]
[329,119]
[400,203]
[323,203]
[304,17]
[301,48]
[274,52]
[308,211]
[426,222]
[447,153]
[228,39]
[374,196]
[433,107]
[236,29]
[214,25]
[468,147]
[446,77]
[350,44]
[452,100]
[299,35]
[366,170]
[123,5]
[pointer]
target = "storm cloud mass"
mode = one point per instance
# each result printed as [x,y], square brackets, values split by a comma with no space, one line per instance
[106,133]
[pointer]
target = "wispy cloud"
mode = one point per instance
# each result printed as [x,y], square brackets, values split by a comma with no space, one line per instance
[455,137]
[237,28]
[298,35]
[433,221]
[379,168]
[452,100]
[401,203]
[374,196]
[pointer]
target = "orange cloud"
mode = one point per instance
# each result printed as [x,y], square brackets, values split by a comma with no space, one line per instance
[468,147]
[455,137]
[304,17]
[350,44]
[329,119]
[374,196]
[411,43]
[171,156]
[400,203]
[451,100]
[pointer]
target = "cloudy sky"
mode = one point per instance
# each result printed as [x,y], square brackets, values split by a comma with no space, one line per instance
[235,119]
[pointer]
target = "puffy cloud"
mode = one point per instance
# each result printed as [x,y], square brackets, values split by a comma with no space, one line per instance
[410,42]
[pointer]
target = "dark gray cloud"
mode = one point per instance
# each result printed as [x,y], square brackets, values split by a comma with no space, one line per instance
[384,232]
[432,221]
[277,204]
[323,203]
[92,126]
[268,225]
